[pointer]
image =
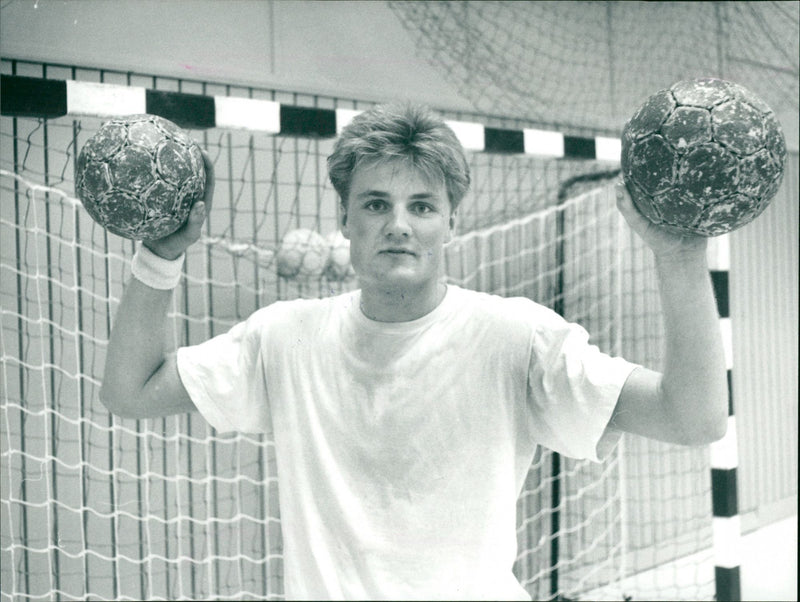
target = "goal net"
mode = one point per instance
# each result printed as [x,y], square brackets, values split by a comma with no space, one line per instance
[104,508]
[587,64]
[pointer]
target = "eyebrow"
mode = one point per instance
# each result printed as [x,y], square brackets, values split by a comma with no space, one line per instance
[386,195]
[369,193]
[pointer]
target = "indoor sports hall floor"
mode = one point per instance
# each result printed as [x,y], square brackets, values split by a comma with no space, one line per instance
[769,562]
[768,571]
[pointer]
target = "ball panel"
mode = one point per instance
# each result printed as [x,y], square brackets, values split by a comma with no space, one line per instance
[625,154]
[644,202]
[122,213]
[132,169]
[757,174]
[704,93]
[738,126]
[142,133]
[707,173]
[774,141]
[107,142]
[687,126]
[155,227]
[173,162]
[747,96]
[195,157]
[652,165]
[191,191]
[95,180]
[770,190]
[729,213]
[677,211]
[160,198]
[170,129]
[93,208]
[651,115]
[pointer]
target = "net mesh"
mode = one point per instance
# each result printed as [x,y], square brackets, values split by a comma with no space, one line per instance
[591,64]
[98,507]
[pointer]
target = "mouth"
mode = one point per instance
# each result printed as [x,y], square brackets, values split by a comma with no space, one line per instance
[397,252]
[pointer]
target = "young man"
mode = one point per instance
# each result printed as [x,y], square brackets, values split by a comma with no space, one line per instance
[406,414]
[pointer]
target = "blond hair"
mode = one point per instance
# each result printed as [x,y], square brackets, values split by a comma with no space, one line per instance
[409,133]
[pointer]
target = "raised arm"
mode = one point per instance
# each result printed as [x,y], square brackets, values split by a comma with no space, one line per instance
[140,378]
[686,403]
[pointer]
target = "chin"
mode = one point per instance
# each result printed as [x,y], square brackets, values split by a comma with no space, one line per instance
[396,278]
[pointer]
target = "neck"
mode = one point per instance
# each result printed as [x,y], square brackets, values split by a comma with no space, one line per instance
[401,304]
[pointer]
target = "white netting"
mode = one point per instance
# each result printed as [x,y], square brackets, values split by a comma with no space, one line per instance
[95,507]
[591,64]
[115,509]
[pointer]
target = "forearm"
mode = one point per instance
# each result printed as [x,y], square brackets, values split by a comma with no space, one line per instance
[141,378]
[693,385]
[136,348]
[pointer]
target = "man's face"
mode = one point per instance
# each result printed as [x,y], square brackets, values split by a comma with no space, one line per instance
[397,223]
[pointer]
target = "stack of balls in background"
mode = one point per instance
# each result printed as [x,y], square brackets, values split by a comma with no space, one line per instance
[305,254]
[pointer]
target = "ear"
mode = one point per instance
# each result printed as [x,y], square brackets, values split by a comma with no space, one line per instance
[343,221]
[452,229]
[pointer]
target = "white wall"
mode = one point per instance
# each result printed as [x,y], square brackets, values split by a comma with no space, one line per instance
[347,49]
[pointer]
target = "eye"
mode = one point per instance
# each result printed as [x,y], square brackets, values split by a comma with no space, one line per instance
[375,205]
[422,208]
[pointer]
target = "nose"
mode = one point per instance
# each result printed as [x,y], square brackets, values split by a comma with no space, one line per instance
[398,224]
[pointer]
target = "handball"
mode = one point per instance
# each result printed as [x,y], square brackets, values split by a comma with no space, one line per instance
[703,157]
[139,176]
[338,267]
[302,254]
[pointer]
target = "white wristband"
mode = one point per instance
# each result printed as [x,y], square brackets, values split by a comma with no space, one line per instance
[154,271]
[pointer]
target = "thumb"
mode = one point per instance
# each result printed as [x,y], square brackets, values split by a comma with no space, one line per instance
[635,220]
[172,246]
[193,227]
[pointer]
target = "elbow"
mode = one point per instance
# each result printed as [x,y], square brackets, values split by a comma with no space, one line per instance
[716,421]
[117,403]
[106,398]
[699,415]
[707,429]
[109,400]
[717,428]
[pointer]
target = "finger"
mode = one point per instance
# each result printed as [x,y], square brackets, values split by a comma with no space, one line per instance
[630,213]
[210,180]
[622,195]
[624,201]
[191,228]
[194,225]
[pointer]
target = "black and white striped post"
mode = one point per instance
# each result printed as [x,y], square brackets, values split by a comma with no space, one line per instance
[724,453]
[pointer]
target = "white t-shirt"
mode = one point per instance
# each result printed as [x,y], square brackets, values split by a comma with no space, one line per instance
[402,447]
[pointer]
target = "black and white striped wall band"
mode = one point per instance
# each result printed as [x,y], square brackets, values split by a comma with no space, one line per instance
[50,98]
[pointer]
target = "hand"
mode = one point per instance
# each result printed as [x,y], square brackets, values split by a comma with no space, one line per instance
[664,244]
[174,245]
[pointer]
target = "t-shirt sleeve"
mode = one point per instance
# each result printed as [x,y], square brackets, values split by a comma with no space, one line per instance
[573,388]
[224,376]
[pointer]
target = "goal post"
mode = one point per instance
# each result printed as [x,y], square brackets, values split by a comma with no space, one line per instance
[94,506]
